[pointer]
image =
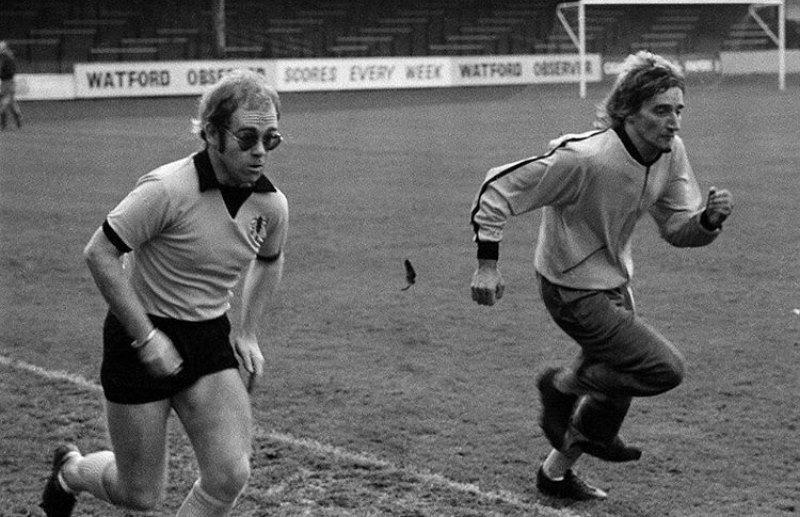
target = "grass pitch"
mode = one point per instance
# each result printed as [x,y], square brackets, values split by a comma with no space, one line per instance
[379,401]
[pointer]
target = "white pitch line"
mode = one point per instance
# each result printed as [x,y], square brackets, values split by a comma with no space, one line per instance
[324,449]
[56,375]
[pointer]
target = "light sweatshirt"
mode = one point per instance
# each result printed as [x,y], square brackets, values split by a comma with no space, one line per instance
[592,188]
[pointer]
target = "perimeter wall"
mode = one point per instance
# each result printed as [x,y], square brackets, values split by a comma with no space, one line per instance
[182,78]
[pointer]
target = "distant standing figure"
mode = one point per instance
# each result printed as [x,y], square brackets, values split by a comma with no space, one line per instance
[8,88]
[593,188]
[194,227]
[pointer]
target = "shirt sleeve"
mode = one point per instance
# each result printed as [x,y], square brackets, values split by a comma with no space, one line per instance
[142,214]
[678,209]
[277,227]
[520,187]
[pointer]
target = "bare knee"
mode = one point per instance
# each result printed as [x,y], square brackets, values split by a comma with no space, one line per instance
[139,498]
[228,480]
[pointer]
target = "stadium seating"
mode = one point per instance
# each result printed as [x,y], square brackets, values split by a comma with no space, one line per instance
[372,45]
[669,32]
[167,47]
[14,23]
[52,35]
[402,37]
[114,54]
[189,38]
[108,31]
[745,34]
[348,50]
[41,55]
[75,44]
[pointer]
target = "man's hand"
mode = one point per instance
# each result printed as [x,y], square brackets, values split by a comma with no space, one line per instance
[159,356]
[487,283]
[251,360]
[718,207]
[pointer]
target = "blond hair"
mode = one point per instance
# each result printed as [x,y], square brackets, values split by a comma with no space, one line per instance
[240,88]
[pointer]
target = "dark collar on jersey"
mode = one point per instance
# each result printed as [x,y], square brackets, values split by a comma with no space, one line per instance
[628,143]
[208,180]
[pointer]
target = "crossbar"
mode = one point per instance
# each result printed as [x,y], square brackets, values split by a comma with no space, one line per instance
[579,39]
[679,2]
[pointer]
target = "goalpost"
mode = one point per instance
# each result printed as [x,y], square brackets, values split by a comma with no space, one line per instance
[579,39]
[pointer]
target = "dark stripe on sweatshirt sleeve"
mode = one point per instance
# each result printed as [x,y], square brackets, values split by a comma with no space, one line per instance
[270,258]
[516,166]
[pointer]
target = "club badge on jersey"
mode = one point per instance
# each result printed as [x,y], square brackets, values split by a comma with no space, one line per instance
[258,230]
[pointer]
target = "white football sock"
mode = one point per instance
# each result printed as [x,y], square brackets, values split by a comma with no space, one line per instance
[200,504]
[557,463]
[88,473]
[70,457]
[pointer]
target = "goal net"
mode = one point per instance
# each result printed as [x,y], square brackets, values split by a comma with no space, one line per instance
[578,36]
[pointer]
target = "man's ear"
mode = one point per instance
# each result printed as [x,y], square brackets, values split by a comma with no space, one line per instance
[212,135]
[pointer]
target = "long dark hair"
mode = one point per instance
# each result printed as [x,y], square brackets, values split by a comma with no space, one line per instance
[643,76]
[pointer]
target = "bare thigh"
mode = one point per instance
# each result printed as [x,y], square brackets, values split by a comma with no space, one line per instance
[138,435]
[216,414]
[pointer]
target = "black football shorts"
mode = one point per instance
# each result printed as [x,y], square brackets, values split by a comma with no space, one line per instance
[204,346]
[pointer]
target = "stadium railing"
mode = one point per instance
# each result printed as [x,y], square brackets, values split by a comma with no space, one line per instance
[313,30]
[457,49]
[353,50]
[107,31]
[278,42]
[375,45]
[191,34]
[401,37]
[491,44]
[123,54]
[244,51]
[422,29]
[169,48]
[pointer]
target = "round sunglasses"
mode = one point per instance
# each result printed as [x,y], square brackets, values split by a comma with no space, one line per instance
[270,139]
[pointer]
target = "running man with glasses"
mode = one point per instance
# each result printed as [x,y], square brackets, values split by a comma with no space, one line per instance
[593,188]
[191,228]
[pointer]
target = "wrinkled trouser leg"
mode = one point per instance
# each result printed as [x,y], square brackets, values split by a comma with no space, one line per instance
[621,355]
